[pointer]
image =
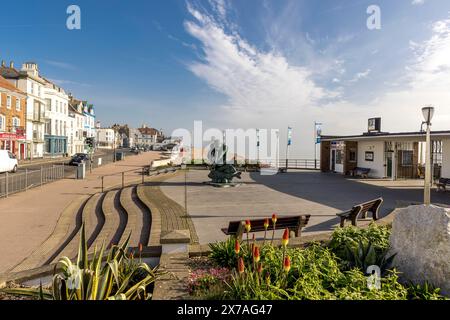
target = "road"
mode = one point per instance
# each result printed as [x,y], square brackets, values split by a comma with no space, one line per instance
[34,174]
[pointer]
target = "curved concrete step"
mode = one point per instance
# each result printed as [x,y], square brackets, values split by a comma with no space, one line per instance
[146,218]
[112,220]
[136,218]
[155,217]
[94,220]
[66,228]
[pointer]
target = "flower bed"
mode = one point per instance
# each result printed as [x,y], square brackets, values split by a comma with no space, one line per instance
[336,270]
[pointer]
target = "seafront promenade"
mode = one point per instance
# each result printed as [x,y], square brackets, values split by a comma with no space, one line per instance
[28,218]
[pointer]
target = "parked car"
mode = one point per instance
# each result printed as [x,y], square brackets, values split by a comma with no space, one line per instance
[134,150]
[78,158]
[8,161]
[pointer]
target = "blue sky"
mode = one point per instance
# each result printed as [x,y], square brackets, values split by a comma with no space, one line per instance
[242,63]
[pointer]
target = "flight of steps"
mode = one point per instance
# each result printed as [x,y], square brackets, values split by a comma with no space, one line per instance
[109,218]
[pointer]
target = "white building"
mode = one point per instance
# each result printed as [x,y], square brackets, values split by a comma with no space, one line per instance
[76,127]
[394,156]
[105,138]
[57,121]
[29,81]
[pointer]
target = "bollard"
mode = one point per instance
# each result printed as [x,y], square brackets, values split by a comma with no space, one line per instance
[102,182]
[143,175]
[26,179]
[123,179]
[41,176]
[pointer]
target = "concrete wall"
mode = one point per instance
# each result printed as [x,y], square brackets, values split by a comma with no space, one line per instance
[377,165]
[446,159]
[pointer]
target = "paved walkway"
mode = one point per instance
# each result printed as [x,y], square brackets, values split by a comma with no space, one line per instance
[296,192]
[28,218]
[173,216]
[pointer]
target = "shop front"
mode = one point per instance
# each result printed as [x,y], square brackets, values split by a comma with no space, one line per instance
[15,142]
[55,146]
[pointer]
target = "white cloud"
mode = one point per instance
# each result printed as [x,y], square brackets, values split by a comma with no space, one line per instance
[252,80]
[418,2]
[360,75]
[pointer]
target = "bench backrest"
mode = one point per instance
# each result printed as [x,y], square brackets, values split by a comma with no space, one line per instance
[282,223]
[369,206]
[366,170]
[444,180]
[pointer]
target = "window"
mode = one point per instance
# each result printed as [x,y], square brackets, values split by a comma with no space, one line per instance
[2,122]
[17,104]
[338,156]
[8,102]
[352,155]
[48,127]
[56,128]
[16,122]
[48,104]
[407,158]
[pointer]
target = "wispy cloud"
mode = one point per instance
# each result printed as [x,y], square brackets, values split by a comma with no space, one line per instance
[251,79]
[60,64]
[418,2]
[360,75]
[62,82]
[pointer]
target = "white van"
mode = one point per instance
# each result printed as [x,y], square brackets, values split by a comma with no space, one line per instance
[8,161]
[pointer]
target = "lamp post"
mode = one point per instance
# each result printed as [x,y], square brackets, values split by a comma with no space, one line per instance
[428,113]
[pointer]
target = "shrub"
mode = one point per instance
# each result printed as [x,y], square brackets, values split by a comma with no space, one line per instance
[362,247]
[424,292]
[118,278]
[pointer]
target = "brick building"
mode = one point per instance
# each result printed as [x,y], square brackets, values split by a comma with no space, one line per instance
[12,119]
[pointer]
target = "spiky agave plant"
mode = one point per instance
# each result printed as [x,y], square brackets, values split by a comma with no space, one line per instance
[113,279]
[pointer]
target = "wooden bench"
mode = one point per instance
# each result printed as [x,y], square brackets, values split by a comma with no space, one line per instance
[442,184]
[294,223]
[361,209]
[363,172]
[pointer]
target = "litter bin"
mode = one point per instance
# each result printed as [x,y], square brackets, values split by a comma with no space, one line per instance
[81,171]
[119,156]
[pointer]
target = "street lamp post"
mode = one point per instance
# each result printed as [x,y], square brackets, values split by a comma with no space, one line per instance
[428,113]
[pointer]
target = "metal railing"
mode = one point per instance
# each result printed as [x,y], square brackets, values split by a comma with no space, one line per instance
[11,183]
[308,164]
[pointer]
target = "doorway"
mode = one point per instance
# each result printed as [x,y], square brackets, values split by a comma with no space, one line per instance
[389,164]
[333,160]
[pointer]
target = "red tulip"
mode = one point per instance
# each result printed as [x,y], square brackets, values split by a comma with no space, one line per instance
[241,267]
[237,247]
[248,225]
[256,254]
[274,218]
[287,264]
[266,223]
[285,239]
